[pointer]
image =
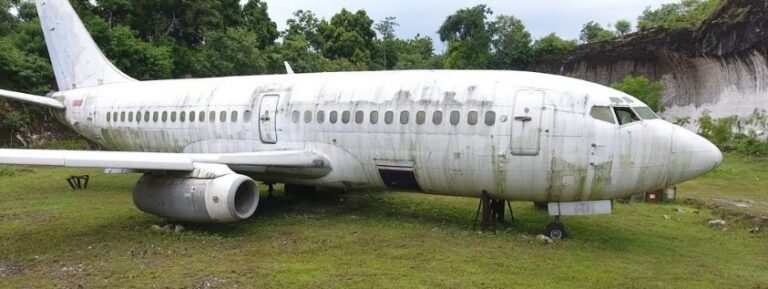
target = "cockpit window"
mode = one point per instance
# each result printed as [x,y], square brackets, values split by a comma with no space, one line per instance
[645,112]
[603,113]
[625,115]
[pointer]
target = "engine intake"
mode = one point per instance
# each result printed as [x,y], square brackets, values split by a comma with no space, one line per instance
[227,198]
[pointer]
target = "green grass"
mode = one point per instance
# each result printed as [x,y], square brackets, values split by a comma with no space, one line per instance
[53,237]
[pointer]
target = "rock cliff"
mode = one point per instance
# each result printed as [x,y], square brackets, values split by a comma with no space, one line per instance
[719,66]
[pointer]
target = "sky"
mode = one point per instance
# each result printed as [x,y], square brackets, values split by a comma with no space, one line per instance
[541,17]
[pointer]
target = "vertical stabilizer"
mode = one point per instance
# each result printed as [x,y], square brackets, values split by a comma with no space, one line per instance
[77,61]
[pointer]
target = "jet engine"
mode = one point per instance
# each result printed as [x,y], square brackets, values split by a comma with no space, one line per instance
[214,199]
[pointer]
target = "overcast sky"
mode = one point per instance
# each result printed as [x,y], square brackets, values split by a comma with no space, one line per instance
[541,17]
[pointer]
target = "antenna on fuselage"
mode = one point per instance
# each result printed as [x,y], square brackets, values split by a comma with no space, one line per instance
[288,68]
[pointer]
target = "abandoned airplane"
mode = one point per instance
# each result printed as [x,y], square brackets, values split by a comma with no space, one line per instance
[501,135]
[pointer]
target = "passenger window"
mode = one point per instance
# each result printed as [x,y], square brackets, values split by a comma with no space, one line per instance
[472,118]
[192,116]
[345,117]
[130,116]
[247,116]
[155,116]
[146,116]
[404,117]
[173,116]
[295,116]
[437,117]
[223,116]
[183,116]
[389,117]
[212,116]
[109,116]
[165,116]
[625,115]
[334,117]
[490,118]
[603,113]
[421,117]
[374,117]
[234,116]
[645,112]
[359,117]
[201,116]
[122,116]
[138,116]
[307,116]
[455,117]
[321,116]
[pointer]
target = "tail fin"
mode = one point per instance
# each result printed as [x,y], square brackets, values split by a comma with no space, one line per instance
[77,61]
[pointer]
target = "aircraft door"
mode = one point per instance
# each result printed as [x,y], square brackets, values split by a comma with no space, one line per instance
[526,123]
[601,157]
[268,118]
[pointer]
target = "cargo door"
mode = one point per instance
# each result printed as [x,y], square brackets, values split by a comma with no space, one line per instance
[268,118]
[526,123]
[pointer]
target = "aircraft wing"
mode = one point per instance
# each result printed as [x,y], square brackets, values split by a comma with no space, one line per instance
[143,161]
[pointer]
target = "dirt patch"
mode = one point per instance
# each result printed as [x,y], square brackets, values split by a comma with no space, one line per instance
[7,270]
[751,213]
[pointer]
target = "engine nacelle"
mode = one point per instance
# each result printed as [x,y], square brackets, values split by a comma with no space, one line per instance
[226,198]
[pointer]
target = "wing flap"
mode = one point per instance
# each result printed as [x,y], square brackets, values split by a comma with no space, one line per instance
[159,161]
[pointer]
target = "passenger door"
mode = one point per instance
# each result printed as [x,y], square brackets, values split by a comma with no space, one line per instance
[526,123]
[602,149]
[268,118]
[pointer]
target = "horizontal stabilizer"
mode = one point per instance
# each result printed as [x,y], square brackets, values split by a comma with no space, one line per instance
[143,161]
[33,99]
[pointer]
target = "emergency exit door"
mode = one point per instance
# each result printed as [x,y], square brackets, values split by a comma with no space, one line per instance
[268,118]
[526,123]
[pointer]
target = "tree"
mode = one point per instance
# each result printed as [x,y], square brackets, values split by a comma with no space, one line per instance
[257,21]
[415,53]
[594,32]
[552,48]
[511,43]
[387,46]
[643,89]
[233,52]
[688,13]
[305,24]
[468,38]
[623,27]
[348,36]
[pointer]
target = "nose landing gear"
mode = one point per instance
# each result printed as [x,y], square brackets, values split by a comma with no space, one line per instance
[556,230]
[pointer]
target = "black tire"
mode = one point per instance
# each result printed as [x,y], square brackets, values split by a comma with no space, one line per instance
[556,231]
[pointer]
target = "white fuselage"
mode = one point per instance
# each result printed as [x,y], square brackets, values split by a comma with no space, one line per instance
[515,135]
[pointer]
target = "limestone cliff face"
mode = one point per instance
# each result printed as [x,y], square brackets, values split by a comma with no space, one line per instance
[719,67]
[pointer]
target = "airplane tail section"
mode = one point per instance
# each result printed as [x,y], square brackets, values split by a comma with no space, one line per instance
[77,61]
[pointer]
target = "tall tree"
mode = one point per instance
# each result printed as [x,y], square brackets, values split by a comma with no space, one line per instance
[593,32]
[511,43]
[257,21]
[552,48]
[387,45]
[623,27]
[468,38]
[348,36]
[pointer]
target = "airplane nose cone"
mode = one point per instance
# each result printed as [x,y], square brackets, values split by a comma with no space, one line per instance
[692,156]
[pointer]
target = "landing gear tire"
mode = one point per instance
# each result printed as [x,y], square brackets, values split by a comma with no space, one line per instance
[556,231]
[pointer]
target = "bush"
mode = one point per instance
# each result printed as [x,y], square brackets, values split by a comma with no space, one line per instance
[721,133]
[643,89]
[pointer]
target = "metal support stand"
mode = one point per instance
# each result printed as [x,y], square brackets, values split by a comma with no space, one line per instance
[78,182]
[492,211]
[271,190]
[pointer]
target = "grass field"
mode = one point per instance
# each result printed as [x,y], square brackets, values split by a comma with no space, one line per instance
[52,237]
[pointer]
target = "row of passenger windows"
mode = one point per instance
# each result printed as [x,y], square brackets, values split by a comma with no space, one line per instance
[404,117]
[173,116]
